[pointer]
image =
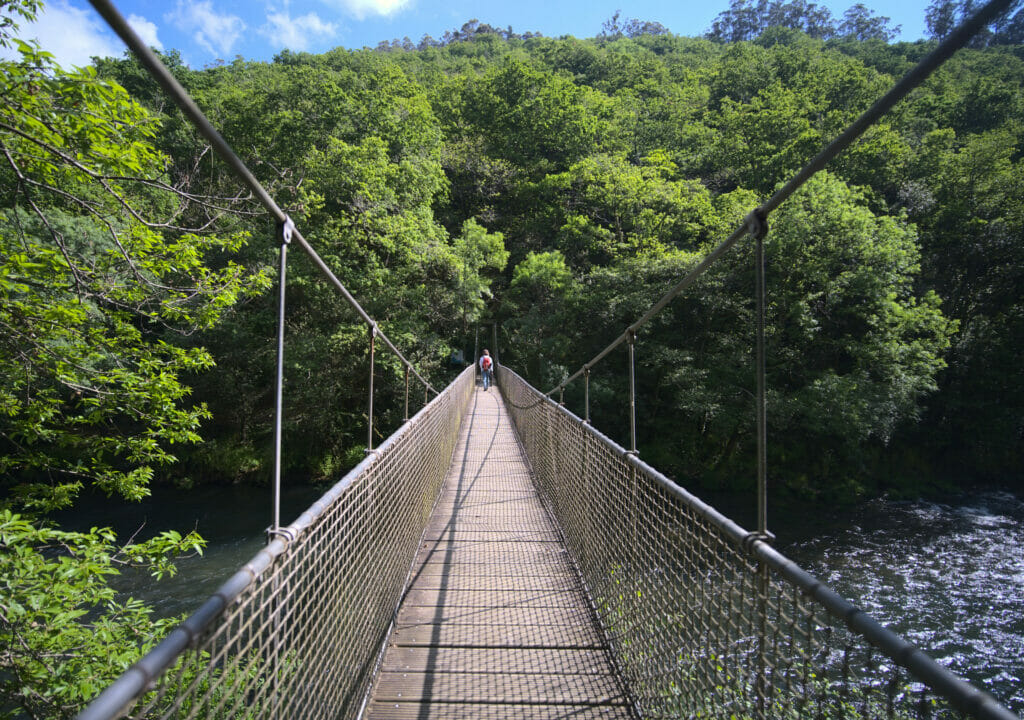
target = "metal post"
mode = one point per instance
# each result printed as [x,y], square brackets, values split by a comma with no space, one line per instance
[632,391]
[406,418]
[762,431]
[284,236]
[586,395]
[369,431]
[494,329]
[759,227]
[476,346]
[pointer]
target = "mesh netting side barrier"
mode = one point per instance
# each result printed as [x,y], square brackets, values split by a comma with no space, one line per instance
[297,633]
[705,619]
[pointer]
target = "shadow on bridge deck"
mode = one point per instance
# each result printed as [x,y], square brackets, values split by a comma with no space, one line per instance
[495,623]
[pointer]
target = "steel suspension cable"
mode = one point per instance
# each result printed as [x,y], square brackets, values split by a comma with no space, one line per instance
[917,75]
[188,106]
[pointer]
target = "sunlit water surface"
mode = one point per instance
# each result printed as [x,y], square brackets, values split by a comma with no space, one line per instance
[947,577]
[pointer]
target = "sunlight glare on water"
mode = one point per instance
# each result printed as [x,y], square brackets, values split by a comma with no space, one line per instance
[947,577]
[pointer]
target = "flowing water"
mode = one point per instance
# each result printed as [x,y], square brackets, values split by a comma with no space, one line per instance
[947,576]
[232,519]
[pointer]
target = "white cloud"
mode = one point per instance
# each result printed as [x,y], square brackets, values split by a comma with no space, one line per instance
[296,33]
[73,35]
[361,8]
[215,32]
[145,30]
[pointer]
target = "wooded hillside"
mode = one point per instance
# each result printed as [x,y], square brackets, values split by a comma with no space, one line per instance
[558,186]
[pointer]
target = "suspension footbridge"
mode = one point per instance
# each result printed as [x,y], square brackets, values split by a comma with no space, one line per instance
[495,621]
[498,557]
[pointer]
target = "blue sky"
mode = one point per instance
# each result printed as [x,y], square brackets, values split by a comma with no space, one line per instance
[207,30]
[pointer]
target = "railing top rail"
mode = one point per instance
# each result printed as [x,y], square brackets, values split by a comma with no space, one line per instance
[962,694]
[755,221]
[134,681]
[188,106]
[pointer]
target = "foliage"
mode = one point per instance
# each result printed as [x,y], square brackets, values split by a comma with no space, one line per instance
[66,634]
[745,20]
[943,16]
[90,289]
[615,158]
[101,278]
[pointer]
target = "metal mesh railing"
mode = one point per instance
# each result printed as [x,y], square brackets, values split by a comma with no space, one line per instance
[705,619]
[297,633]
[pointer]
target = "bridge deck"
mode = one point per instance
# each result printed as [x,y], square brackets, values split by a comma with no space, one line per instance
[495,624]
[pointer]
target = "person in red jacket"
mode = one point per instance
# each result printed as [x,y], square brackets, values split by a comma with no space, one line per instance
[486,369]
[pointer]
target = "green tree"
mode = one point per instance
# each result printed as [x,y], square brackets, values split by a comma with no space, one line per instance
[862,24]
[745,20]
[853,349]
[96,298]
[542,295]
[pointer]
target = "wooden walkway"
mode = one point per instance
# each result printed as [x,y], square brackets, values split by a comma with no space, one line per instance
[495,624]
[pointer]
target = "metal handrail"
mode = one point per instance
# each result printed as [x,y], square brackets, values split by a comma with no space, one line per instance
[576,467]
[207,644]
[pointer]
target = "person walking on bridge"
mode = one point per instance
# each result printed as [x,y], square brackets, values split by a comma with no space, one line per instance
[486,369]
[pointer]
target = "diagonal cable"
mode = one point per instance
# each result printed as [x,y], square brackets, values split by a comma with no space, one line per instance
[188,106]
[757,217]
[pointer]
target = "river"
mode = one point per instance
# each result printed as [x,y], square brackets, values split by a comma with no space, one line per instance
[947,576]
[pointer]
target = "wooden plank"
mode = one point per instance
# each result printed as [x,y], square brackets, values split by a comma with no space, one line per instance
[503,584]
[564,615]
[493,510]
[537,527]
[506,687]
[489,711]
[499,636]
[485,552]
[433,597]
[516,660]
[494,570]
[498,535]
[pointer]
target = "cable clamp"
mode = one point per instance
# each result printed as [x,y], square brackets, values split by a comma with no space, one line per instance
[285,230]
[757,221]
[286,534]
[752,537]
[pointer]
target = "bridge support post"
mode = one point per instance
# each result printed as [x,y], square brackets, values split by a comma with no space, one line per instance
[632,390]
[406,418]
[369,414]
[586,395]
[759,230]
[284,236]
[494,332]
[759,227]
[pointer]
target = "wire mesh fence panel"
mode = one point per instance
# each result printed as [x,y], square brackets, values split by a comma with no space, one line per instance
[705,619]
[298,632]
